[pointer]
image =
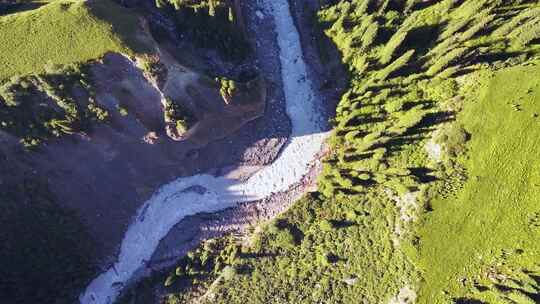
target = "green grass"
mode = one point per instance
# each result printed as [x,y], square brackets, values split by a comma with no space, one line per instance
[498,207]
[65,32]
[339,248]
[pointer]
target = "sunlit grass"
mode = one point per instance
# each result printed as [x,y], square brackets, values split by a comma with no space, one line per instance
[65,32]
[495,211]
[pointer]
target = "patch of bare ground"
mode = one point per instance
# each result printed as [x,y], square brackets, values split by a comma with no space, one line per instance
[406,295]
[408,206]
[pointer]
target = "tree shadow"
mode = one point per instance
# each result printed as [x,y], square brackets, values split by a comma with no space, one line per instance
[8,8]
[495,57]
[421,39]
[419,132]
[468,301]
[424,175]
[339,224]
[297,234]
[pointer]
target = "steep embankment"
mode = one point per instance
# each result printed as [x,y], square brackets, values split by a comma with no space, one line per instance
[207,193]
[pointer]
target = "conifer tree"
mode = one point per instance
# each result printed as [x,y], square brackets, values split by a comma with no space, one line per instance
[528,32]
[519,19]
[370,35]
[392,45]
[446,60]
[396,65]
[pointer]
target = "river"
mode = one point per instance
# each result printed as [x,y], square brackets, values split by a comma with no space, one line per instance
[207,193]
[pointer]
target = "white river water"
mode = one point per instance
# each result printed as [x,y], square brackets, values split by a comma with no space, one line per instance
[176,200]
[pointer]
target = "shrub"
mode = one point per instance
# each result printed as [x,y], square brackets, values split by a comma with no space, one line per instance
[228,273]
[181,116]
[285,238]
[122,110]
[228,88]
[100,113]
[326,225]
[454,139]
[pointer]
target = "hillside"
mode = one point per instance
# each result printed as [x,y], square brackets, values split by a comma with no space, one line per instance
[66,32]
[96,112]
[430,192]
[272,151]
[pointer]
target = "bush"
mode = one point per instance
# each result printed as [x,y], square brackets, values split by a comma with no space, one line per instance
[228,273]
[181,116]
[453,138]
[228,88]
[326,225]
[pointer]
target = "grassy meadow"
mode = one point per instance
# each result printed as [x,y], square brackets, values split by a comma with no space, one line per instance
[497,211]
[65,32]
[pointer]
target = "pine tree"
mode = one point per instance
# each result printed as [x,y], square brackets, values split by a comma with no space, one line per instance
[446,60]
[396,65]
[383,6]
[528,32]
[447,73]
[370,35]
[360,64]
[362,8]
[392,45]
[519,19]
[473,7]
[482,23]
[453,27]
[409,5]
[161,3]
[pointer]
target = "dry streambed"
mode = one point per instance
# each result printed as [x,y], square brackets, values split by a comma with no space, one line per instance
[207,193]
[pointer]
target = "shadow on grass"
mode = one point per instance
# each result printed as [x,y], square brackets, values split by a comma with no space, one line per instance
[467,301]
[13,7]
[122,20]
